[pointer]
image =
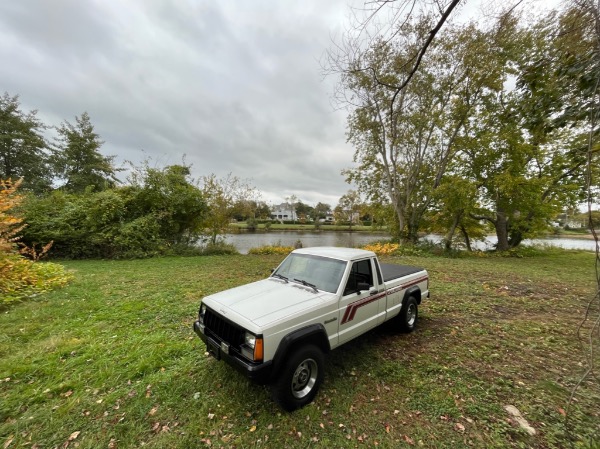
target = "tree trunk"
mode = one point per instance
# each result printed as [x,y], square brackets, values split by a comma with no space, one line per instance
[401,223]
[451,231]
[467,239]
[501,225]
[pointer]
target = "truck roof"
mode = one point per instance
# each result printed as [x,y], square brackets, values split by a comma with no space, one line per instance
[335,252]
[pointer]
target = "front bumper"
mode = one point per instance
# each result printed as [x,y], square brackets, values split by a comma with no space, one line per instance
[257,372]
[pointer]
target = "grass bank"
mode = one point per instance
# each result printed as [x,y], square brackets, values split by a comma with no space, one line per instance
[111,362]
[306,227]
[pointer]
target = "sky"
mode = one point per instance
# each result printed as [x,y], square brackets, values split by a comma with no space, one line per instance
[234,86]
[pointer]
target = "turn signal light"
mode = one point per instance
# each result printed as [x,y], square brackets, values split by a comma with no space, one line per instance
[258,350]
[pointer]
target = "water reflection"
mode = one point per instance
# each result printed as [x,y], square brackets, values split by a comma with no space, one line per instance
[246,240]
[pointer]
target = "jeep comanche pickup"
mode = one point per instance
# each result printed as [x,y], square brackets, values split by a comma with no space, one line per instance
[277,330]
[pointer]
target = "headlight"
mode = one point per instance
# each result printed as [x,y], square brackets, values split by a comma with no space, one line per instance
[201,313]
[250,340]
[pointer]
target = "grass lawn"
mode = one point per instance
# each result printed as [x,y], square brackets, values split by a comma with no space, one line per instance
[111,362]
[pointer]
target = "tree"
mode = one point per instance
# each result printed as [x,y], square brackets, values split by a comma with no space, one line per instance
[291,203]
[20,277]
[349,208]
[221,196]
[78,160]
[303,211]
[320,211]
[23,150]
[526,166]
[405,141]
[454,202]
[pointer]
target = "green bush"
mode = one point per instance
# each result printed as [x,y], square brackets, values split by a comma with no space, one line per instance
[219,249]
[21,278]
[160,212]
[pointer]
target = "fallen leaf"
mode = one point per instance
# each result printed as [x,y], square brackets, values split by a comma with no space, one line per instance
[68,393]
[253,429]
[112,444]
[74,435]
[211,415]
[459,427]
[9,441]
[153,410]
[562,411]
[409,440]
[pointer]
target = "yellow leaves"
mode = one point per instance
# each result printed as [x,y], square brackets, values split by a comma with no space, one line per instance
[268,249]
[20,278]
[382,249]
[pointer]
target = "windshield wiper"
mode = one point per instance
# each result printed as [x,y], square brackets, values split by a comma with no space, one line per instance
[307,284]
[280,276]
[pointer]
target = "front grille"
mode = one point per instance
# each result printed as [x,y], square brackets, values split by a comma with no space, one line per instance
[225,330]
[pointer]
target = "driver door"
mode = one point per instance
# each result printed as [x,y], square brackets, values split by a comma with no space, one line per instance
[358,309]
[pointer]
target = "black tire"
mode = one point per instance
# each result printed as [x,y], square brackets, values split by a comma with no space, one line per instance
[300,378]
[409,315]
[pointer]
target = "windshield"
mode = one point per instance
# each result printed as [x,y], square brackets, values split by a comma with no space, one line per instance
[322,272]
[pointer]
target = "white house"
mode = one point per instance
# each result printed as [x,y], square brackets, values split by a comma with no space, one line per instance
[284,212]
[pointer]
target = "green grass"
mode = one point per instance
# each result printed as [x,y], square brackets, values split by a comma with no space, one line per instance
[113,356]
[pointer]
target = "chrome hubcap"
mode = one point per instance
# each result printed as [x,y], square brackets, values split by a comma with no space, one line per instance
[411,315]
[304,378]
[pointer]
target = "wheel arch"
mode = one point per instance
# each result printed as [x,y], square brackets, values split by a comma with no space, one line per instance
[315,334]
[414,291]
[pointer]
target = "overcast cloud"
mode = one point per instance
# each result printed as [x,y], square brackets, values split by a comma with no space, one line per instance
[236,86]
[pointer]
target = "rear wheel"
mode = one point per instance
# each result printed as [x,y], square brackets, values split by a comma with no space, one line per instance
[300,378]
[409,315]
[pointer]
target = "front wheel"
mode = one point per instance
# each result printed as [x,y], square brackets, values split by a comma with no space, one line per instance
[300,378]
[408,315]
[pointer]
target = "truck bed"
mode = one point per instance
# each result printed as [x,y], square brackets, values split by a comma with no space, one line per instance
[393,271]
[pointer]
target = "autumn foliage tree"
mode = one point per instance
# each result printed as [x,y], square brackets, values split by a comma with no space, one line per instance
[21,277]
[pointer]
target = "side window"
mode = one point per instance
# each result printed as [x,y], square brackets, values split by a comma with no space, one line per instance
[379,277]
[360,272]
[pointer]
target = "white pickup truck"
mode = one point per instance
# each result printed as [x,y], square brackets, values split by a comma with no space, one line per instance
[277,330]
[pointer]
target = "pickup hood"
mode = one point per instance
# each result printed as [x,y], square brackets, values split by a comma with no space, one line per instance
[265,302]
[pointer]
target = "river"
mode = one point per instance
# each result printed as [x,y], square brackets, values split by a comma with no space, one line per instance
[246,240]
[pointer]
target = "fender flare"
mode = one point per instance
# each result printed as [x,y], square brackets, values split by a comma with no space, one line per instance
[313,334]
[412,291]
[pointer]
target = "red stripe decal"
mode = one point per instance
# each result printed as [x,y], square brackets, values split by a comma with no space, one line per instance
[351,309]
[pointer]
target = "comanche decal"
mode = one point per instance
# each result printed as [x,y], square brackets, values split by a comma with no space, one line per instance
[351,309]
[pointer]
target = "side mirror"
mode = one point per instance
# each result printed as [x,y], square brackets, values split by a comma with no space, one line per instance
[362,286]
